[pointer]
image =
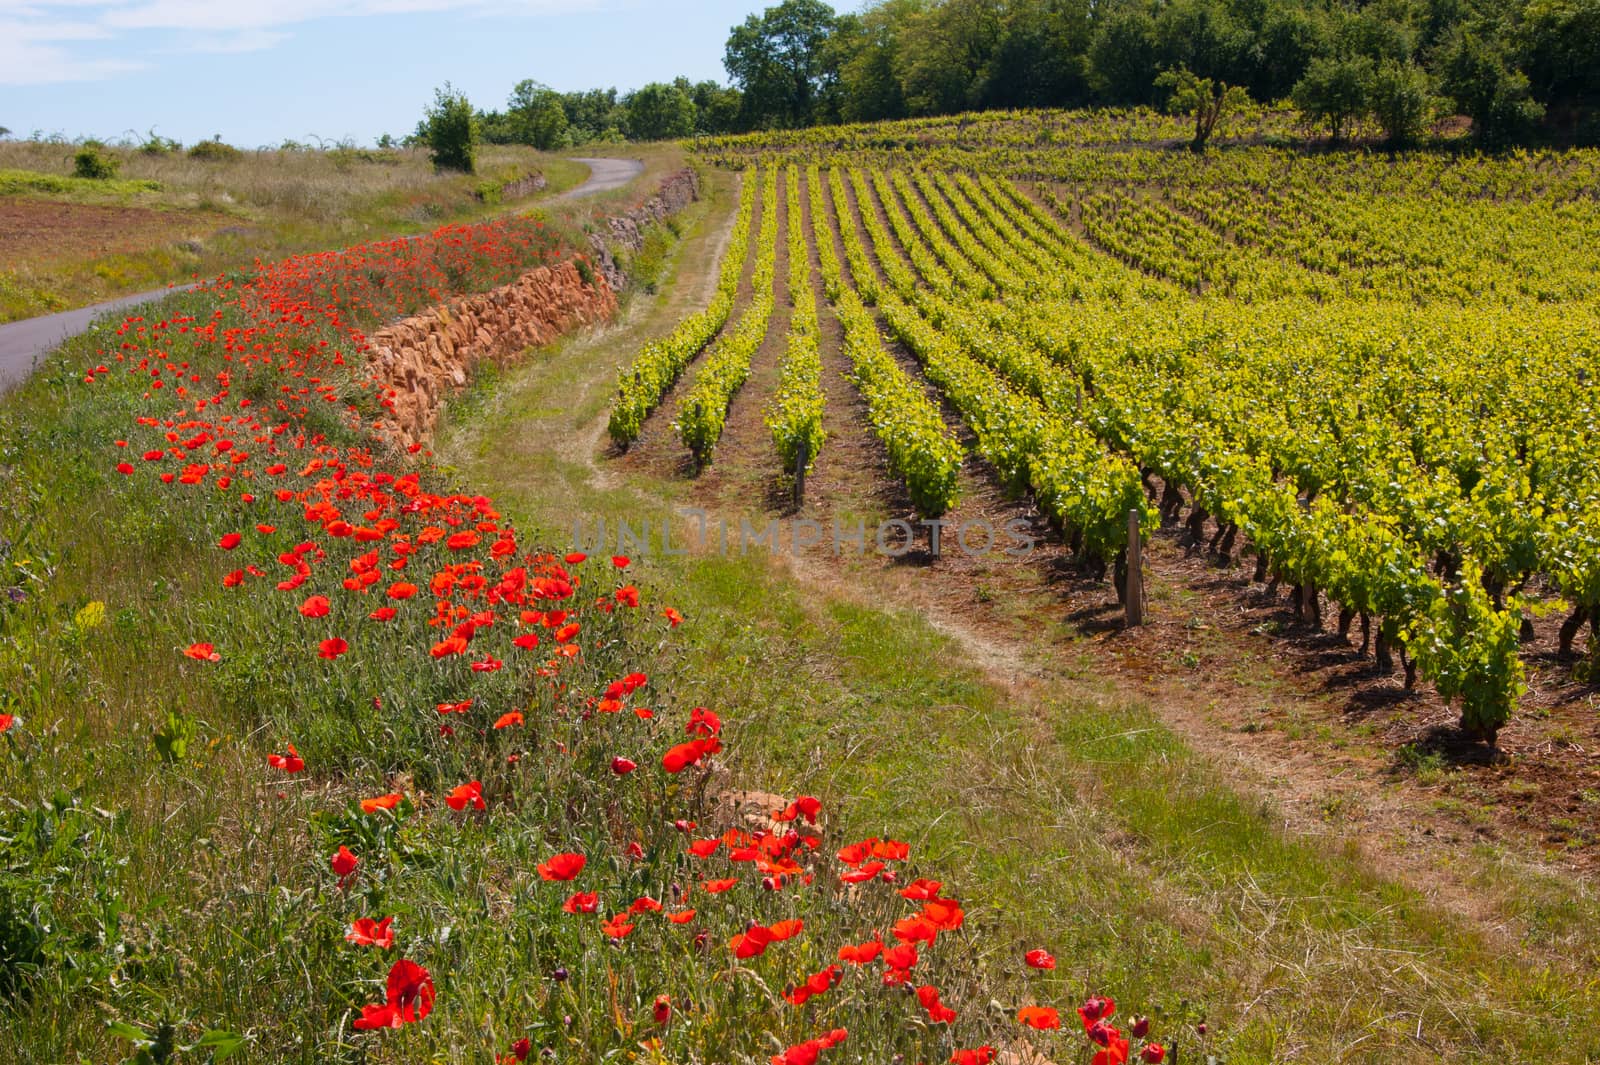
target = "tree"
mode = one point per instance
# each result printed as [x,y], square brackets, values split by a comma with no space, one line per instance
[449,130]
[1400,100]
[949,55]
[658,112]
[1122,53]
[536,116]
[1335,91]
[1203,98]
[716,107]
[866,51]
[777,61]
[1475,75]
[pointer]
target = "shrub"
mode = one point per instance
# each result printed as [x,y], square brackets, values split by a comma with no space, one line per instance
[449,130]
[89,163]
[1401,101]
[215,151]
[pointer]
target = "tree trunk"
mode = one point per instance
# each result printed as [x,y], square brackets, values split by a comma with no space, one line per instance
[1346,616]
[1570,627]
[1366,633]
[1383,659]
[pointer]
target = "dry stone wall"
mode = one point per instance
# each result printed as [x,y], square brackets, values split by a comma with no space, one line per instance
[627,230]
[419,360]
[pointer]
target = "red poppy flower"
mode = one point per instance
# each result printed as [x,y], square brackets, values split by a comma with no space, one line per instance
[332,648]
[230,541]
[717,887]
[681,916]
[383,613]
[1096,1009]
[673,617]
[582,902]
[464,795]
[1039,1017]
[617,927]
[402,590]
[574,558]
[904,957]
[289,763]
[519,1052]
[662,1010]
[1040,959]
[938,1012]
[6,721]
[365,932]
[920,890]
[509,718]
[562,867]
[409,998]
[1153,1053]
[234,579]
[527,641]
[623,766]
[382,802]
[861,953]
[316,606]
[704,848]
[983,1055]
[124,468]
[202,652]
[806,806]
[344,865]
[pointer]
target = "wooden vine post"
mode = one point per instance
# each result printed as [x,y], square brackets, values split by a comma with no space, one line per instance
[1133,594]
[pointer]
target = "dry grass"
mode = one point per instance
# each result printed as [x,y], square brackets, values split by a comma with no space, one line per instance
[264,204]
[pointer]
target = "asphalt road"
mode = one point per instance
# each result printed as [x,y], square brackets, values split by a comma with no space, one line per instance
[22,343]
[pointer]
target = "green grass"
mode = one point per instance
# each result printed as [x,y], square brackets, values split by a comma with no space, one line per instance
[13,182]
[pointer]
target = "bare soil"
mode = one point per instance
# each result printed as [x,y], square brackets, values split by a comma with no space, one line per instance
[44,233]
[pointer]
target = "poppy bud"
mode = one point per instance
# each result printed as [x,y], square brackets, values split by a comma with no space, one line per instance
[1201,1028]
[769,884]
[1140,1027]
[1153,1054]
[560,974]
[701,939]
[662,1009]
[635,851]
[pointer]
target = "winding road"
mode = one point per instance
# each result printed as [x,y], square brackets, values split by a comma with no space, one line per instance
[22,343]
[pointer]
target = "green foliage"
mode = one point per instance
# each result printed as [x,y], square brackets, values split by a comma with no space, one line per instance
[449,130]
[92,164]
[1400,101]
[1470,649]
[778,60]
[643,382]
[535,116]
[1335,92]
[1475,75]
[215,151]
[658,111]
[1204,99]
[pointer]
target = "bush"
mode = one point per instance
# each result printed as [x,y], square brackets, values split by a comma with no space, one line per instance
[1336,92]
[89,163]
[449,130]
[214,151]
[1401,101]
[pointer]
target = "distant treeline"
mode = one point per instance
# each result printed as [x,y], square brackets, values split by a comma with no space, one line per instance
[1517,68]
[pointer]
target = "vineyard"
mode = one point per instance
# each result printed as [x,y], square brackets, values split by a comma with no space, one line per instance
[1370,378]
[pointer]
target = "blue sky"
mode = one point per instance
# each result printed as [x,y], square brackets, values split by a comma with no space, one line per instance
[260,71]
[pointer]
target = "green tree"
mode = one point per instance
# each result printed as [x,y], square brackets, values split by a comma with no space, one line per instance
[449,130]
[1204,99]
[716,107]
[1335,91]
[1475,75]
[777,59]
[1401,100]
[1559,43]
[536,116]
[1122,53]
[866,51]
[949,55]
[658,112]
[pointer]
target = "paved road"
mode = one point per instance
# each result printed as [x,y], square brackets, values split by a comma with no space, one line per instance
[23,343]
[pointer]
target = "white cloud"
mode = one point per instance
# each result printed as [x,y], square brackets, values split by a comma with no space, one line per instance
[33,33]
